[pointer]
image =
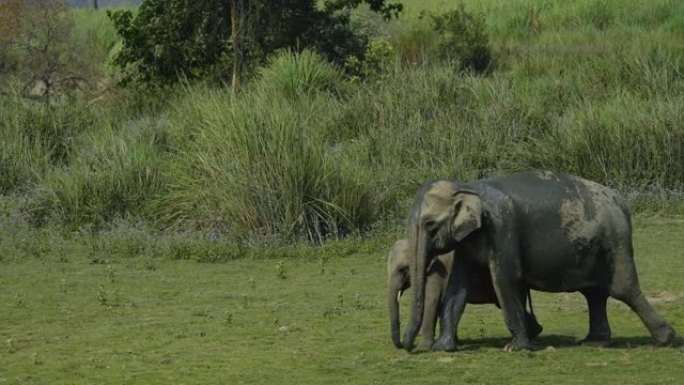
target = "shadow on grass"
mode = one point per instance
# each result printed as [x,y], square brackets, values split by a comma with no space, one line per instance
[562,342]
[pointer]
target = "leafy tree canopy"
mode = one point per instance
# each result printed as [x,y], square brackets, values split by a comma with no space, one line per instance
[167,39]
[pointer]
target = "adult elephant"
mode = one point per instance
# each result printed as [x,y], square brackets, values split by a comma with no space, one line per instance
[478,290]
[542,230]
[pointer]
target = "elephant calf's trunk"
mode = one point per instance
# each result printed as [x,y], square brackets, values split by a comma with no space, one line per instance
[393,300]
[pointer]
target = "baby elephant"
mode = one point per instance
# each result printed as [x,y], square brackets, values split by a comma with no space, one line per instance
[479,291]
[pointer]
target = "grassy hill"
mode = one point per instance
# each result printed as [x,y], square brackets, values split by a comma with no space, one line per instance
[304,152]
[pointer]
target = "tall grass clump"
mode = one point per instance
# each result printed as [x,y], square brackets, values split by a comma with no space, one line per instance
[35,137]
[291,74]
[115,174]
[425,123]
[642,149]
[259,164]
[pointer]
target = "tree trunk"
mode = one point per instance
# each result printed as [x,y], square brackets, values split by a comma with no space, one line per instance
[95,4]
[237,28]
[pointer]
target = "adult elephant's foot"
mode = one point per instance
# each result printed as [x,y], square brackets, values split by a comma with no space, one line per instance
[518,344]
[665,335]
[408,347]
[445,345]
[425,346]
[597,339]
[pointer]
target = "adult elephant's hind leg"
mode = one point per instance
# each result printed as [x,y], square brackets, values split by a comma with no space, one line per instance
[599,328]
[625,287]
[661,331]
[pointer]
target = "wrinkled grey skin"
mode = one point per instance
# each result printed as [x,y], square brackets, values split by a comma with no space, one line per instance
[546,231]
[479,291]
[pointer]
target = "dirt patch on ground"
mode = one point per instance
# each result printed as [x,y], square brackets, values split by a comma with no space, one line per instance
[663,297]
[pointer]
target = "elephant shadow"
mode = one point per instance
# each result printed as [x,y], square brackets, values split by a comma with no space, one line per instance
[557,341]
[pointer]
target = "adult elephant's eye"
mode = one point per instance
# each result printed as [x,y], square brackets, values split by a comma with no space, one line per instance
[430,226]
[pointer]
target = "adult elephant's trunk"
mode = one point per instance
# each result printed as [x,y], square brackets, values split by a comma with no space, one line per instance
[417,259]
[393,301]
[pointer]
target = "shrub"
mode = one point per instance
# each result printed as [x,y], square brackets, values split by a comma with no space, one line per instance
[379,53]
[463,39]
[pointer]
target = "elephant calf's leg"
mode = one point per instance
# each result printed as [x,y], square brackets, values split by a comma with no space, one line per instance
[432,308]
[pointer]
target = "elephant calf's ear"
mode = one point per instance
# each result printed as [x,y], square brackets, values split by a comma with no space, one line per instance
[467,214]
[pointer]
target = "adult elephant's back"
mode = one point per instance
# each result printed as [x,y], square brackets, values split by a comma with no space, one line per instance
[564,224]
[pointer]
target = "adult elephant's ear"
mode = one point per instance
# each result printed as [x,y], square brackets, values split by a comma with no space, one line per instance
[467,213]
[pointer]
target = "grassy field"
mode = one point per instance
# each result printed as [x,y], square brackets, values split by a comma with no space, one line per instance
[163,237]
[98,318]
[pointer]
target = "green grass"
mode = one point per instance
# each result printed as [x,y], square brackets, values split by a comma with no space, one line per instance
[80,313]
[94,34]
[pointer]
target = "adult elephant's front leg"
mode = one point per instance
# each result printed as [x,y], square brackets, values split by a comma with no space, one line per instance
[451,316]
[453,306]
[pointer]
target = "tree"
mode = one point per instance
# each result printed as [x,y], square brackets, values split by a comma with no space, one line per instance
[237,21]
[172,38]
[169,39]
[37,31]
